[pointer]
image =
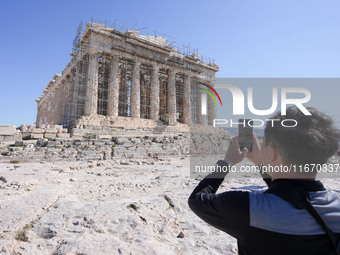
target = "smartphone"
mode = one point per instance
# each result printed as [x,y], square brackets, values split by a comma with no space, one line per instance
[245,134]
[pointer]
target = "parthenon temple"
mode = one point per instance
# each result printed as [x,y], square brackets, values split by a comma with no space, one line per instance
[124,79]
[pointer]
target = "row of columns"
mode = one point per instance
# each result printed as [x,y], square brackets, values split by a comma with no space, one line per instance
[113,93]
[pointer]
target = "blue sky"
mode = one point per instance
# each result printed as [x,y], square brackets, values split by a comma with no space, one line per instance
[246,38]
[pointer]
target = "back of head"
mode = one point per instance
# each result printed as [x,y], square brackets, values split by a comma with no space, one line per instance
[312,141]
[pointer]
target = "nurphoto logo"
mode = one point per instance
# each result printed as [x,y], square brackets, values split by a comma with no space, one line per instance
[204,97]
[238,105]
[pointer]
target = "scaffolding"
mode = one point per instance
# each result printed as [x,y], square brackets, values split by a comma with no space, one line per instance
[163,94]
[103,84]
[145,91]
[77,84]
[125,70]
[193,105]
[179,84]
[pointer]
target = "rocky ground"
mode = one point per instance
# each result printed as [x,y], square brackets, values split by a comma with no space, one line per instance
[105,208]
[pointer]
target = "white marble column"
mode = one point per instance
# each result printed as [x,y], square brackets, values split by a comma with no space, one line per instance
[92,85]
[65,94]
[135,91]
[186,102]
[199,117]
[211,108]
[38,120]
[172,97]
[113,92]
[154,93]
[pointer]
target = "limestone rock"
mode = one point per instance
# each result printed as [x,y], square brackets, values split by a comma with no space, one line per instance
[180,235]
[7,130]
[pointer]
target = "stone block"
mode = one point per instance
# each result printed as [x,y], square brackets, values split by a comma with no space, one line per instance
[50,144]
[7,130]
[27,128]
[50,135]
[41,142]
[24,128]
[63,135]
[93,122]
[51,130]
[106,123]
[19,143]
[26,136]
[10,138]
[38,131]
[107,137]
[37,136]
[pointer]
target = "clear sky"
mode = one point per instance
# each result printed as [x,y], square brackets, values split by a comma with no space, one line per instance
[247,38]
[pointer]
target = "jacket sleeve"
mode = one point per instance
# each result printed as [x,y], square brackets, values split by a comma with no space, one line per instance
[227,211]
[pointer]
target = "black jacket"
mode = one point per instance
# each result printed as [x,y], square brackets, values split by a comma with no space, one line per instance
[263,223]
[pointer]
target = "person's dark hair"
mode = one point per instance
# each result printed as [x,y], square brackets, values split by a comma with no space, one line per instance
[313,141]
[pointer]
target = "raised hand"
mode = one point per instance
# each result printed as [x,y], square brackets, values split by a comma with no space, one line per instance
[234,155]
[255,154]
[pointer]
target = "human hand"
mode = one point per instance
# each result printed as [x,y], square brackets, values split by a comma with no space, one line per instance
[255,154]
[234,155]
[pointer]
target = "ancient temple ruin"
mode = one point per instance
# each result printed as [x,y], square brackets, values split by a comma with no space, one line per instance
[127,80]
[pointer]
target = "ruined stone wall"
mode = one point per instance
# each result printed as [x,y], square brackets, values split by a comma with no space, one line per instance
[129,149]
[52,110]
